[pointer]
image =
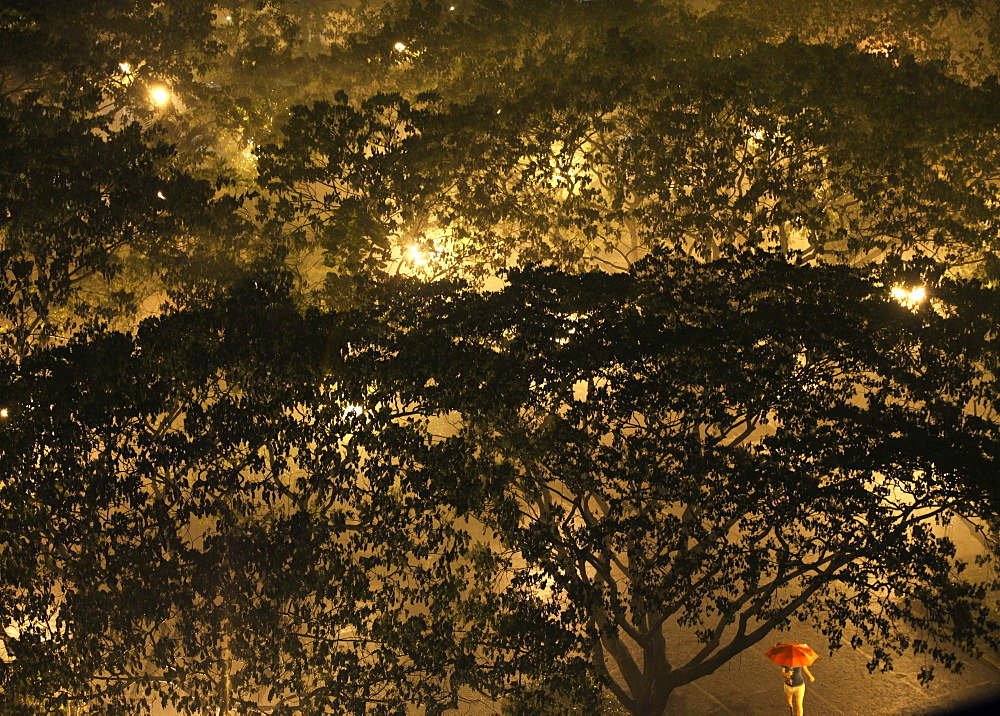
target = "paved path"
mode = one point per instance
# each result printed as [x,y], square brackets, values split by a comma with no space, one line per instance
[750,685]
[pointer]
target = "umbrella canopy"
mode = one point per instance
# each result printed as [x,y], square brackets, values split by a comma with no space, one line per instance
[790,654]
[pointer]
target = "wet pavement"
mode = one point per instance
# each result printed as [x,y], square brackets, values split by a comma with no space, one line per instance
[750,685]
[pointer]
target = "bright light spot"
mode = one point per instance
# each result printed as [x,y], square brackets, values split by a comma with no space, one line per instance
[878,48]
[563,340]
[353,411]
[417,256]
[229,18]
[541,585]
[909,297]
[249,158]
[159,95]
[399,47]
[452,8]
[4,413]
[125,67]
[159,195]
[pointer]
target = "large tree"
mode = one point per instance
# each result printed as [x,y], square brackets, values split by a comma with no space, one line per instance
[95,218]
[199,514]
[441,491]
[686,449]
[196,516]
[842,153]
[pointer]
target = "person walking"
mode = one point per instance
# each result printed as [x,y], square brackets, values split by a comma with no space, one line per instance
[795,686]
[794,660]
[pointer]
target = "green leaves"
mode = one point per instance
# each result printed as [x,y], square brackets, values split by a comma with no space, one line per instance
[379,507]
[684,444]
[210,522]
[833,151]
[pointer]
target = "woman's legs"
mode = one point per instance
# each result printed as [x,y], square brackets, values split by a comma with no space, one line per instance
[795,696]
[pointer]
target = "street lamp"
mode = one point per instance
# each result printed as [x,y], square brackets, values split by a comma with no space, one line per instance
[417,256]
[160,95]
[909,297]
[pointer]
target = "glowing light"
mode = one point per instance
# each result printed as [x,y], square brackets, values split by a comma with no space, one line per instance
[249,158]
[4,413]
[159,95]
[229,18]
[159,195]
[909,297]
[399,47]
[353,411]
[417,255]
[879,48]
[563,340]
[125,67]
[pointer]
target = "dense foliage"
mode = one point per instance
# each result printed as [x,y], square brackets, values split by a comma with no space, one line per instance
[330,474]
[684,449]
[248,508]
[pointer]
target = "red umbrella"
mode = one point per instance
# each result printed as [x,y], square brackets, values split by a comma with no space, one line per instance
[790,654]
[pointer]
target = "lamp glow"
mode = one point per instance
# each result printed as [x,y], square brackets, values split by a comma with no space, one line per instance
[909,297]
[160,95]
[417,255]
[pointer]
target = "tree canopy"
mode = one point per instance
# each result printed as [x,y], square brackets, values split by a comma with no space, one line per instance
[248,508]
[194,517]
[331,473]
[473,136]
[845,154]
[683,447]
